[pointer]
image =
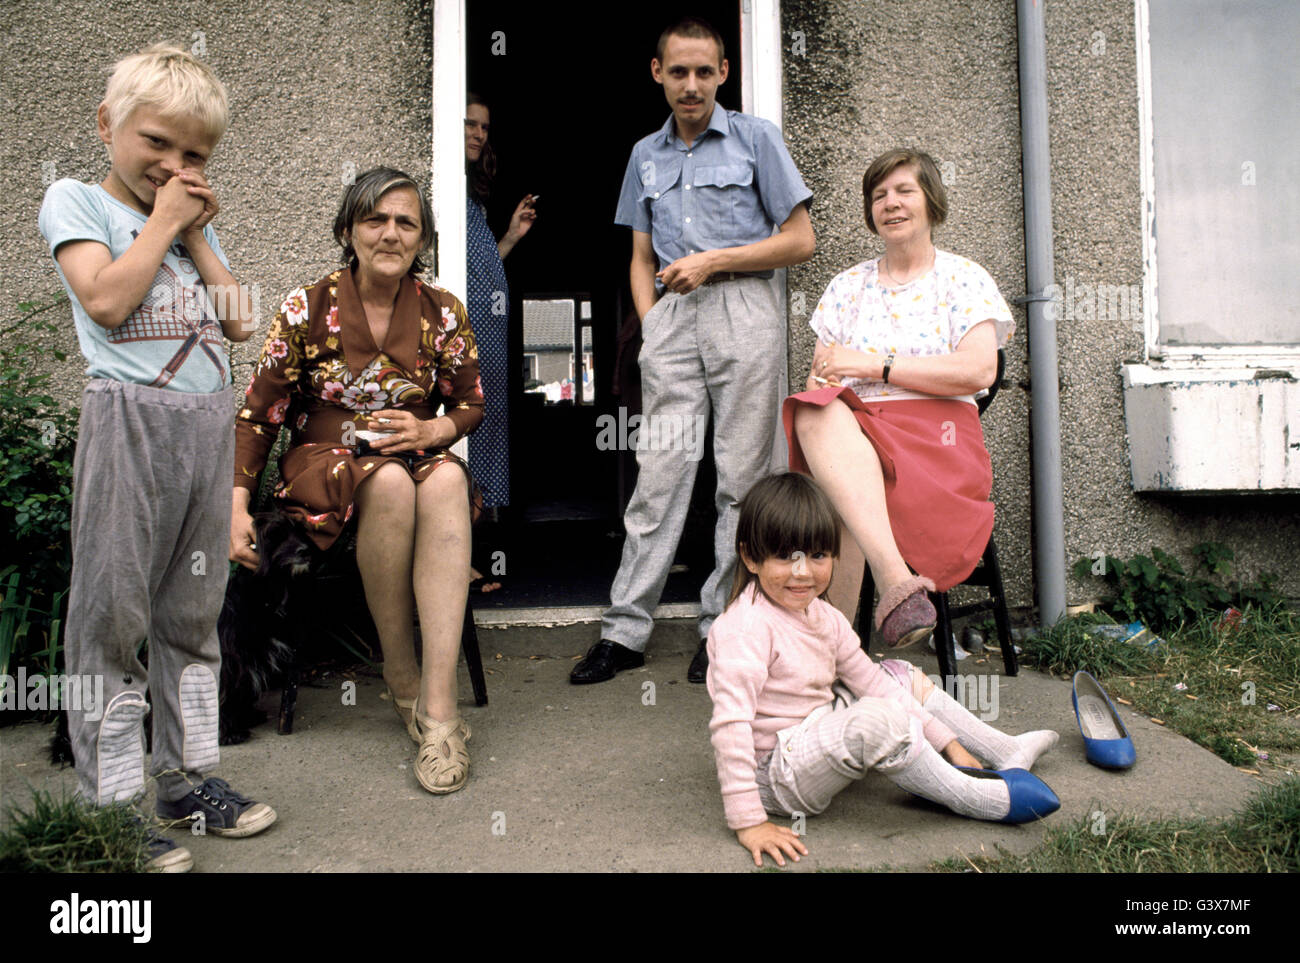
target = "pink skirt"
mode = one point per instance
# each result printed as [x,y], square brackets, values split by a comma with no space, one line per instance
[937,473]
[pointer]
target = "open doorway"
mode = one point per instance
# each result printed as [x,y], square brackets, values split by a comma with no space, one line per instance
[568,99]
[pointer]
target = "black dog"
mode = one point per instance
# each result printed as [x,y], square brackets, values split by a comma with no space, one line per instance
[298,595]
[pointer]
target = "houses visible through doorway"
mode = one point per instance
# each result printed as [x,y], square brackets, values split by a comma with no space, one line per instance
[568,99]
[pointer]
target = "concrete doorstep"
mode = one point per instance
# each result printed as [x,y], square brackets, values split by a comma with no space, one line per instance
[615,777]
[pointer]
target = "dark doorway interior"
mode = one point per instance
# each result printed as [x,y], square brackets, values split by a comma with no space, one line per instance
[568,99]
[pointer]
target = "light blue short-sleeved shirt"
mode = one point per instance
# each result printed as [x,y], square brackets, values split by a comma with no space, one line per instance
[731,187]
[173,340]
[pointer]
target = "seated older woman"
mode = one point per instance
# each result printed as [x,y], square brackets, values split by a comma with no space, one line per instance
[357,365]
[888,425]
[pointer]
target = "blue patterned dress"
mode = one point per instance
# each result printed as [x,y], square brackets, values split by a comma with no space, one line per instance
[489,313]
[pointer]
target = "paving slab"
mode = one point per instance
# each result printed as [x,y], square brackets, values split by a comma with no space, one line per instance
[616,777]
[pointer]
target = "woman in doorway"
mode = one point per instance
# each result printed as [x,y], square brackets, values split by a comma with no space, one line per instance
[368,354]
[489,311]
[888,425]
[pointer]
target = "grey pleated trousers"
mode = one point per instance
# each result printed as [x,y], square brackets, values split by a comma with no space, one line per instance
[713,352]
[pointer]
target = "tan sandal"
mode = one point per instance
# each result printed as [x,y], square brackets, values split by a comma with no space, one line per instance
[442,764]
[405,709]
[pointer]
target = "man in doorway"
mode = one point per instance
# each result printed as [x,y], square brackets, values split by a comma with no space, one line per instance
[702,195]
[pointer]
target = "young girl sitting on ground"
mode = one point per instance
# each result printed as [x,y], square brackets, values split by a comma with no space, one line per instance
[788,736]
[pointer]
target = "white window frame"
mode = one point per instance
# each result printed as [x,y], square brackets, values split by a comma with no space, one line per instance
[1188,357]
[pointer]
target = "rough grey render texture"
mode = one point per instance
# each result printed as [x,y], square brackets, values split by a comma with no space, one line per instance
[944,77]
[313,89]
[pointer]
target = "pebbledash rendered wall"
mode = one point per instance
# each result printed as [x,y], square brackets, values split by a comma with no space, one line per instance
[863,77]
[320,90]
[317,91]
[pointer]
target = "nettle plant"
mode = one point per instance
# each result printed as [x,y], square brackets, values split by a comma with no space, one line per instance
[37,440]
[1157,591]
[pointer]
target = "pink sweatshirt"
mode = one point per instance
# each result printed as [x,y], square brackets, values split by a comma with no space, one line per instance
[769,668]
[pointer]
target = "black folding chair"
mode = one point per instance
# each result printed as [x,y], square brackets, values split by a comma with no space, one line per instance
[987,574]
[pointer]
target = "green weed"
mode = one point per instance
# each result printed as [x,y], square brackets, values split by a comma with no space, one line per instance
[64,835]
[1262,838]
[1234,689]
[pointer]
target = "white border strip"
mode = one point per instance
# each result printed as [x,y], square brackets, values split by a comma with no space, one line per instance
[447,176]
[760,46]
[1147,171]
[571,615]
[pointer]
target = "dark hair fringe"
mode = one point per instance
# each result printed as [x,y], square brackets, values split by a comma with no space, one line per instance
[483,171]
[781,514]
[927,177]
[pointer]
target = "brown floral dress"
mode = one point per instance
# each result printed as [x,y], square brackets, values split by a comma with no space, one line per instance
[321,374]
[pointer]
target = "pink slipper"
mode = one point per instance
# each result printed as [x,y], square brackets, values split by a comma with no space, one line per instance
[905,615]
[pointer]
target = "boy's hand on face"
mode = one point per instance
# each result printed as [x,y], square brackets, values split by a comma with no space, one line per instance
[771,839]
[198,187]
[176,206]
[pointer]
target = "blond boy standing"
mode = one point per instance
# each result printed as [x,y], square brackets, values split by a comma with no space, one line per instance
[152,296]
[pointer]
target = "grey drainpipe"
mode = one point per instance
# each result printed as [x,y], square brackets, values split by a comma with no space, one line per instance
[1045,423]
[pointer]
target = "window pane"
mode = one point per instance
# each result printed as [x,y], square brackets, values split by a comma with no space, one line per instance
[548,336]
[1225,87]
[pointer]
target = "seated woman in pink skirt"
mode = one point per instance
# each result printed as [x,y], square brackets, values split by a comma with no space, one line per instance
[888,425]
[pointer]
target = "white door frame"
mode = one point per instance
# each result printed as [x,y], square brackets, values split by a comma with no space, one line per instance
[761,83]
[447,171]
[760,52]
[760,61]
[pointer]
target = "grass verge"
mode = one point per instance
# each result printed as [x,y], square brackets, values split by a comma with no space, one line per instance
[1264,837]
[63,835]
[1234,690]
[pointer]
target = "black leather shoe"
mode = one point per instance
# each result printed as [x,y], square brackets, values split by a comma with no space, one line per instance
[603,660]
[699,669]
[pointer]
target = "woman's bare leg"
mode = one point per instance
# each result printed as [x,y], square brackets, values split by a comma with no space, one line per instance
[441,580]
[845,464]
[846,585]
[385,541]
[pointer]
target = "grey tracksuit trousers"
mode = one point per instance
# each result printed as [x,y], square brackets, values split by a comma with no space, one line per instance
[150,542]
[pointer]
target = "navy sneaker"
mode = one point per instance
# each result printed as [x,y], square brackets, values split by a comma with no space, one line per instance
[164,855]
[224,811]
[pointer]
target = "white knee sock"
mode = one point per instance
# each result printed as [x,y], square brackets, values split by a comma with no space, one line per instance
[931,777]
[995,747]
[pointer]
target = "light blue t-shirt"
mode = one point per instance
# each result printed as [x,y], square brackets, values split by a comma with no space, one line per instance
[173,340]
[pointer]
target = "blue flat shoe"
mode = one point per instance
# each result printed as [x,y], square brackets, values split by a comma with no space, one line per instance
[1031,798]
[1106,742]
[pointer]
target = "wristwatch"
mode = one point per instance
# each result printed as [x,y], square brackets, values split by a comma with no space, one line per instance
[889,363]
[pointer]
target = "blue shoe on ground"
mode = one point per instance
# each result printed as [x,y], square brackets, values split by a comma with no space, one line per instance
[1031,798]
[1106,742]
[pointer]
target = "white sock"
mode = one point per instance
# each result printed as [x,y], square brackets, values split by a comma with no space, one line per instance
[992,745]
[931,777]
[1031,745]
